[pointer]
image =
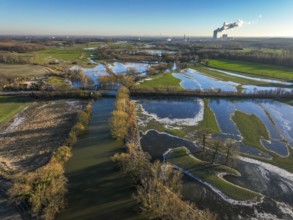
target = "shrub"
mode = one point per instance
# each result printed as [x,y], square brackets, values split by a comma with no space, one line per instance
[43,189]
[63,154]
[78,129]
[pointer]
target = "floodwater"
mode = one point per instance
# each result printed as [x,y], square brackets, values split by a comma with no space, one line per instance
[96,188]
[282,114]
[179,112]
[118,67]
[274,183]
[192,79]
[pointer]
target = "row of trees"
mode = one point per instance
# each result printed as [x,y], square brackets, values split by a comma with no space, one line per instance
[158,185]
[216,150]
[44,189]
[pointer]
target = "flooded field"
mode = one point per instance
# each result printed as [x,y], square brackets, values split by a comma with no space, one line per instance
[158,118]
[257,182]
[191,79]
[194,80]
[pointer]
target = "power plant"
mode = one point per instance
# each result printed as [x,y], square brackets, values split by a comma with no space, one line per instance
[226,26]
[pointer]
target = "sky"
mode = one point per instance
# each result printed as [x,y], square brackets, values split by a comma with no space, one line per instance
[261,18]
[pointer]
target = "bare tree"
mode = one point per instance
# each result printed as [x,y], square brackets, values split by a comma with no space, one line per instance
[232,149]
[217,145]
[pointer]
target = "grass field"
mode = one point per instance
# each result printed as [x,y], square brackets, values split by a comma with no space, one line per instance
[22,69]
[64,55]
[208,172]
[9,106]
[162,81]
[251,128]
[273,71]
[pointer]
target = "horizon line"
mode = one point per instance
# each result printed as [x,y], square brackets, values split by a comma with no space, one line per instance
[137,36]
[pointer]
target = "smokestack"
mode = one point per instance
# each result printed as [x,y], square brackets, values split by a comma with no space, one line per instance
[215,37]
[227,26]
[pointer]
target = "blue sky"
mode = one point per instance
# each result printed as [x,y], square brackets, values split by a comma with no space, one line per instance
[145,17]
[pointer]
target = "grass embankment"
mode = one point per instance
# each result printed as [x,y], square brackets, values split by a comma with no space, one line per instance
[209,123]
[162,81]
[9,106]
[209,173]
[266,70]
[22,69]
[252,130]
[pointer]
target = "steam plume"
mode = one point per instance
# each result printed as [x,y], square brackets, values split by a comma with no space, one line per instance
[227,26]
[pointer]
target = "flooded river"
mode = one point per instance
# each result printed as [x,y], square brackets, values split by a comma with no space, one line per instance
[96,189]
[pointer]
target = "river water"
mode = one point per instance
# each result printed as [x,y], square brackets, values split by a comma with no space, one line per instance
[96,188]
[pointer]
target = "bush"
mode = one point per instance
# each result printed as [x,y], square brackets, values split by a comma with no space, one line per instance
[78,129]
[83,118]
[63,154]
[43,189]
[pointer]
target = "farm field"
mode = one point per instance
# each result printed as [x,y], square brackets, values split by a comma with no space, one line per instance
[39,130]
[22,69]
[62,55]
[9,106]
[265,70]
